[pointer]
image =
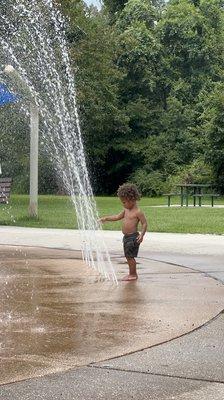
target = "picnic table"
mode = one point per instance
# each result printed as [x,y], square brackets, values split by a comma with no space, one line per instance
[186,191]
[5,188]
[197,192]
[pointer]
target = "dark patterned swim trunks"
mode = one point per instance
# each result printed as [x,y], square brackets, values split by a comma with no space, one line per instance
[130,244]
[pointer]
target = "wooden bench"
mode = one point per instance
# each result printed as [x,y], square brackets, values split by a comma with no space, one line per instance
[211,195]
[5,188]
[169,195]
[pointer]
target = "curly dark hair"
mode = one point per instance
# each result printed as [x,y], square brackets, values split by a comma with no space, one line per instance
[128,191]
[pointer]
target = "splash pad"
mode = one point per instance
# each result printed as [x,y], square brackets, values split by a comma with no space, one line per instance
[57,314]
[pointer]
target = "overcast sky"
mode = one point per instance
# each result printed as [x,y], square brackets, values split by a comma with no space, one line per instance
[95,2]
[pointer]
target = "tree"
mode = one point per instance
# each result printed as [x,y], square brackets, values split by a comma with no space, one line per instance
[14,137]
[137,57]
[149,81]
[191,37]
[92,47]
[213,124]
[114,6]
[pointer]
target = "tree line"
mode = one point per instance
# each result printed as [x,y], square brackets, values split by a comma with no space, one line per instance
[149,78]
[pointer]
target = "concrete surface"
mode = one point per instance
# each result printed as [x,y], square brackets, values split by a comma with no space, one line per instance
[57,314]
[92,383]
[186,368]
[189,244]
[192,356]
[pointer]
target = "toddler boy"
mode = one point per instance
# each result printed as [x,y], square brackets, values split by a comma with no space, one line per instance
[131,216]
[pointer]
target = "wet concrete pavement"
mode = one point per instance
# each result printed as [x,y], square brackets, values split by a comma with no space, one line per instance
[48,332]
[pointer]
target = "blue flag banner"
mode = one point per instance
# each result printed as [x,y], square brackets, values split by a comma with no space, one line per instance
[6,97]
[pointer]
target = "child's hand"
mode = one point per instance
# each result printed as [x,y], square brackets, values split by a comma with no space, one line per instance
[102,220]
[140,238]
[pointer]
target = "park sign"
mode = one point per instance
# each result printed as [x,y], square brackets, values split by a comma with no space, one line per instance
[6,97]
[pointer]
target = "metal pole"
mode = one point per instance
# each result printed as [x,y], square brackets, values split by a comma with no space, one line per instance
[34,137]
[34,141]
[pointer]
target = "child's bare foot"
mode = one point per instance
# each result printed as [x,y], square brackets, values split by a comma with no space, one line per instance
[130,278]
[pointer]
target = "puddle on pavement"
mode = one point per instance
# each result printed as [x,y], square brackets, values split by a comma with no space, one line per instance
[56,313]
[52,305]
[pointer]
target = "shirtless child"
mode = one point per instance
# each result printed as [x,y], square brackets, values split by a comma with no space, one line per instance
[131,216]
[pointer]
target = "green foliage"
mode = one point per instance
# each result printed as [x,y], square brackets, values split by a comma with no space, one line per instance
[213,124]
[196,172]
[137,11]
[14,153]
[14,136]
[97,79]
[149,184]
[114,6]
[150,86]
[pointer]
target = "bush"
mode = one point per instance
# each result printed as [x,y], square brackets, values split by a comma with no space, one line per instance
[47,177]
[149,184]
[196,172]
[19,171]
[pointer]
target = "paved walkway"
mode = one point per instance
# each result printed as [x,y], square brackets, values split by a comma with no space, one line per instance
[189,367]
[195,244]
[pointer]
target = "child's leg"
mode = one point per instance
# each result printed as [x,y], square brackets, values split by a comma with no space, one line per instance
[132,266]
[132,270]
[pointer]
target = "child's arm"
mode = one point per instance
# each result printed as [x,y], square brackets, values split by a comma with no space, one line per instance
[144,223]
[112,217]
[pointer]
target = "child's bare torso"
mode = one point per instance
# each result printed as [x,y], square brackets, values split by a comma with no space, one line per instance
[130,221]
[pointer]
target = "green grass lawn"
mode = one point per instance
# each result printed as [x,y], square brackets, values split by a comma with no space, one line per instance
[58,212]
